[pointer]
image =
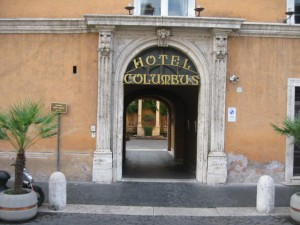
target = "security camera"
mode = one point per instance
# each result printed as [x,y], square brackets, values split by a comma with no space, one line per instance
[233,79]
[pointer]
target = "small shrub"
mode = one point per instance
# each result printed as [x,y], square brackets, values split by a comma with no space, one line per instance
[148,130]
[149,117]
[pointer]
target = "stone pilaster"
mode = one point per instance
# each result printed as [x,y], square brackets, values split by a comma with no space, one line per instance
[102,162]
[217,160]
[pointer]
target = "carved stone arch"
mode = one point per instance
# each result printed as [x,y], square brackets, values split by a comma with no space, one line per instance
[203,119]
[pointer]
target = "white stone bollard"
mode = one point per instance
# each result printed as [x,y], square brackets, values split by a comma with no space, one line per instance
[265,194]
[57,191]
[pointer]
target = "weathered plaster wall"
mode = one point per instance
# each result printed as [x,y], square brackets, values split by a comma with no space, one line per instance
[252,10]
[39,67]
[263,66]
[241,170]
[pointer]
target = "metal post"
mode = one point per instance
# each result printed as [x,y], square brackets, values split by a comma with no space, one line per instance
[58,144]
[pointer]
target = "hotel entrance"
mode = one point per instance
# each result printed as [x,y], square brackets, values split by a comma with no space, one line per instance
[161,87]
[187,75]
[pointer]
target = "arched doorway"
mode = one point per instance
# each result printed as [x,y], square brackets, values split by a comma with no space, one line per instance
[169,75]
[203,106]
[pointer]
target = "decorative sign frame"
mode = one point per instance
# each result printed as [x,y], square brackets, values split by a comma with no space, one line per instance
[60,108]
[162,66]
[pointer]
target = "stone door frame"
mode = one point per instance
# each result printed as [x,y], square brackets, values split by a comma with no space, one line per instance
[203,101]
[290,179]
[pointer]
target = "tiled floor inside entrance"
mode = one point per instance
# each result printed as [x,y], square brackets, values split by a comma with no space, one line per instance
[149,159]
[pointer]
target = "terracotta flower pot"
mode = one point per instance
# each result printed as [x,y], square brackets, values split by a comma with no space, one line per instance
[16,208]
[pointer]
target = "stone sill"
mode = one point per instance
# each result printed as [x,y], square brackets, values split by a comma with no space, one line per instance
[161,21]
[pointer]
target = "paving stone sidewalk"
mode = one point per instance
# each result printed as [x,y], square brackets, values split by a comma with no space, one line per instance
[167,197]
[191,195]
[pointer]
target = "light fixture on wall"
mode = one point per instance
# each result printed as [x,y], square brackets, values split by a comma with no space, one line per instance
[289,13]
[233,79]
[198,9]
[149,10]
[129,7]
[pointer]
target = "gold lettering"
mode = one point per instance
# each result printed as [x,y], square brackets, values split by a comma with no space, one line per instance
[138,63]
[185,64]
[186,79]
[175,80]
[163,57]
[167,80]
[175,60]
[141,78]
[163,79]
[126,81]
[157,76]
[145,79]
[196,80]
[152,58]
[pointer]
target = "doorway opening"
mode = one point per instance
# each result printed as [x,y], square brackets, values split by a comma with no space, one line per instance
[149,149]
[161,87]
[160,140]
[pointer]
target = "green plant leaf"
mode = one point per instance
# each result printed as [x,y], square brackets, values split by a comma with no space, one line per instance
[290,128]
[23,125]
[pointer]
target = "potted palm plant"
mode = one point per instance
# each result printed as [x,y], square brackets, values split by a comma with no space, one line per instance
[23,125]
[291,128]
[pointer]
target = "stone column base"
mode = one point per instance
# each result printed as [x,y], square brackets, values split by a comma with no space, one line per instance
[217,168]
[102,167]
[156,131]
[140,131]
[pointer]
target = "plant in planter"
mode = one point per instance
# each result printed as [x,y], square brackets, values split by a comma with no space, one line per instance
[23,125]
[291,128]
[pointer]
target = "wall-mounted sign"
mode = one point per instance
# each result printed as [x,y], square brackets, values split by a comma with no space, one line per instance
[231,114]
[161,66]
[161,79]
[59,107]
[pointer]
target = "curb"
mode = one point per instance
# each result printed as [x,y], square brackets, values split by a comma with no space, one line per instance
[165,211]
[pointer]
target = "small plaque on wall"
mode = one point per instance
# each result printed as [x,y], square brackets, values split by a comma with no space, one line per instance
[59,107]
[231,114]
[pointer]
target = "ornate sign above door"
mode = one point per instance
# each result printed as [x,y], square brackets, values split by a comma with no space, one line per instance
[161,66]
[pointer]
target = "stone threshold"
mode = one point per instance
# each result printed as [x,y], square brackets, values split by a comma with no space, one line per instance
[156,180]
[165,211]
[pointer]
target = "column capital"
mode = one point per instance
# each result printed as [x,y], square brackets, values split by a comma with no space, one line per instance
[220,31]
[220,43]
[105,39]
[163,37]
[104,28]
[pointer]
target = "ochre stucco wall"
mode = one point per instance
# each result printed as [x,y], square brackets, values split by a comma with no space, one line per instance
[263,66]
[39,67]
[252,10]
[60,8]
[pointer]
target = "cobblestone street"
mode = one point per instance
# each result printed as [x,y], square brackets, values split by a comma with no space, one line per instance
[71,219]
